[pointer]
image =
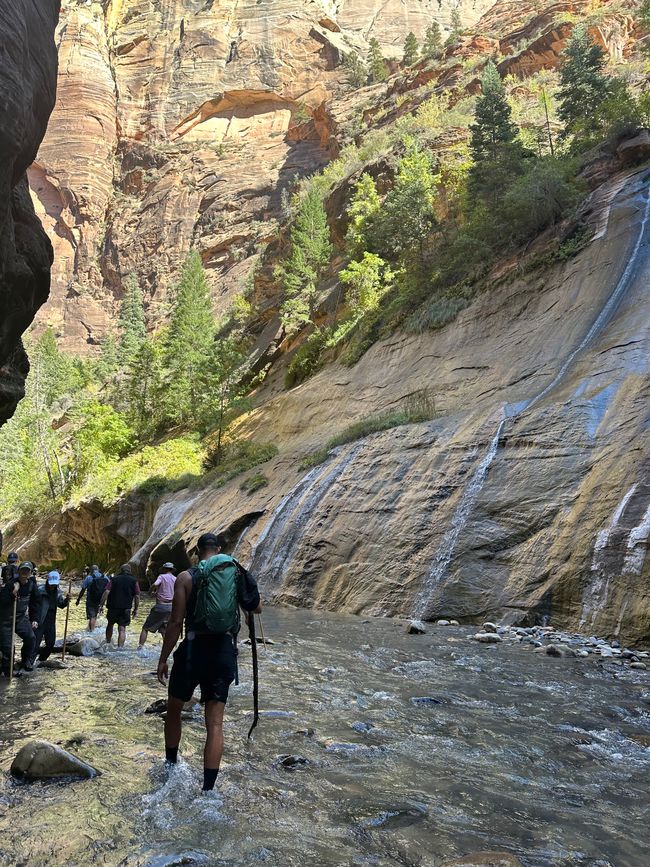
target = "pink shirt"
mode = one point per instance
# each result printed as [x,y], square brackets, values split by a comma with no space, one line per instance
[163,587]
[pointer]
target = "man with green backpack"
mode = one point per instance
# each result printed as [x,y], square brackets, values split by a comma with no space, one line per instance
[207,598]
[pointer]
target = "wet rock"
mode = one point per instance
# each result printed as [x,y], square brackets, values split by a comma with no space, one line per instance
[415,627]
[560,650]
[583,653]
[40,760]
[483,859]
[53,664]
[158,706]
[291,763]
[259,640]
[84,647]
[362,727]
[487,637]
[305,733]
[426,700]
[638,666]
[489,627]
[454,623]
[443,622]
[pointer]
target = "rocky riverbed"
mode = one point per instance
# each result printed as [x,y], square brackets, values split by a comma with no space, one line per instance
[375,747]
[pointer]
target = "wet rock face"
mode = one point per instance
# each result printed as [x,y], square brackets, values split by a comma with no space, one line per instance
[27,90]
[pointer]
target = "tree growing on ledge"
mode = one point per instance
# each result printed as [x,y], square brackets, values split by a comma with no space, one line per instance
[456,27]
[131,323]
[432,44]
[355,70]
[376,62]
[498,155]
[309,257]
[583,85]
[411,50]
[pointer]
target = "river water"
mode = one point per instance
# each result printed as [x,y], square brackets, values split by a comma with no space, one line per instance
[417,748]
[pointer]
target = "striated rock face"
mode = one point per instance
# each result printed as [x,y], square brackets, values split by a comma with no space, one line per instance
[27,90]
[175,125]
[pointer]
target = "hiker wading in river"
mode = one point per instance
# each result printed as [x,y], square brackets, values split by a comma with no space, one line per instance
[93,585]
[207,597]
[163,591]
[121,592]
[51,598]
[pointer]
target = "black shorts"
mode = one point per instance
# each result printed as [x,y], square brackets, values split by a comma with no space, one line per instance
[209,661]
[121,616]
[91,609]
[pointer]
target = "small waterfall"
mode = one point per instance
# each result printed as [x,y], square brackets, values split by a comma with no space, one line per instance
[595,594]
[282,535]
[637,546]
[458,522]
[607,311]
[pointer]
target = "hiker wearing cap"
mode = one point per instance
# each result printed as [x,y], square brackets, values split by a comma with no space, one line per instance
[207,598]
[25,591]
[51,598]
[122,592]
[163,591]
[93,585]
[10,571]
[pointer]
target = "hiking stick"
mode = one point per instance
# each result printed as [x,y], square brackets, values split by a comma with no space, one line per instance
[256,709]
[67,616]
[13,640]
[259,617]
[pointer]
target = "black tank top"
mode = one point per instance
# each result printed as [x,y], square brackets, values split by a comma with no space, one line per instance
[122,591]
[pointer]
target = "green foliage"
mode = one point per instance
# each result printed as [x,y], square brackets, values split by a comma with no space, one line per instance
[153,470]
[237,457]
[432,44]
[366,282]
[306,264]
[376,62]
[356,72]
[583,86]
[53,374]
[437,312]
[101,436]
[109,359]
[364,205]
[131,324]
[189,343]
[308,358]
[416,408]
[496,151]
[456,27]
[254,483]
[411,50]
[225,388]
[143,389]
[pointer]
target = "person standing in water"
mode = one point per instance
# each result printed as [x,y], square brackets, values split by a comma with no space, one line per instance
[51,598]
[163,591]
[93,585]
[25,591]
[207,598]
[122,591]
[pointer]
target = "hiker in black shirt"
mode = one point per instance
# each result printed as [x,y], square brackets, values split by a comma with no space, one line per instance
[10,571]
[122,591]
[27,612]
[51,598]
[93,585]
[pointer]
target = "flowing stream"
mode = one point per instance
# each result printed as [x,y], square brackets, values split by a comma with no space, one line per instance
[407,749]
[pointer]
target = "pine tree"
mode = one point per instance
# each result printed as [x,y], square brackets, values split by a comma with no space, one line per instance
[309,257]
[226,384]
[131,322]
[109,359]
[411,50]
[189,342]
[456,27]
[356,72]
[496,150]
[644,17]
[364,205]
[376,62]
[583,86]
[432,41]
[142,389]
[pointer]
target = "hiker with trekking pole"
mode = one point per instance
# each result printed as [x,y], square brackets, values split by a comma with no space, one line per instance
[207,598]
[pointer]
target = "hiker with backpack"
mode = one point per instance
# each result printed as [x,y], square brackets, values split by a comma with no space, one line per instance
[51,598]
[163,592]
[93,585]
[122,591]
[207,598]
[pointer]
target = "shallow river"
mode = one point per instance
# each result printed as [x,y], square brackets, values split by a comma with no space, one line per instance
[417,748]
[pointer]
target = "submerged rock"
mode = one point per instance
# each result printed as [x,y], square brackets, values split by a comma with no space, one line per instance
[158,706]
[40,760]
[487,637]
[638,666]
[290,763]
[416,627]
[483,859]
[53,664]
[490,627]
[84,647]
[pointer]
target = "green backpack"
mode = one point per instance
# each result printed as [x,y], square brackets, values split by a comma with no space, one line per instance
[217,607]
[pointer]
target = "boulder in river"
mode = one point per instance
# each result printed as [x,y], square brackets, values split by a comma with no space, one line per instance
[489,627]
[416,627]
[54,664]
[290,763]
[40,760]
[638,666]
[443,622]
[483,859]
[158,706]
[487,637]
[83,647]
[559,650]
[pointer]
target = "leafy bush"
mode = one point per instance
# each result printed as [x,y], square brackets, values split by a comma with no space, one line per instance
[237,457]
[437,312]
[308,358]
[254,483]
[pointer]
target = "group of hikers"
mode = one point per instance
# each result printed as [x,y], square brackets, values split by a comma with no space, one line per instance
[204,601]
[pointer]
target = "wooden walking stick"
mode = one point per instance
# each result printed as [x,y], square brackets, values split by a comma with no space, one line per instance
[13,640]
[259,617]
[67,616]
[256,684]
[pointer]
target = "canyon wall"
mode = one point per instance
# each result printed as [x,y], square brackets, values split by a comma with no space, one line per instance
[27,92]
